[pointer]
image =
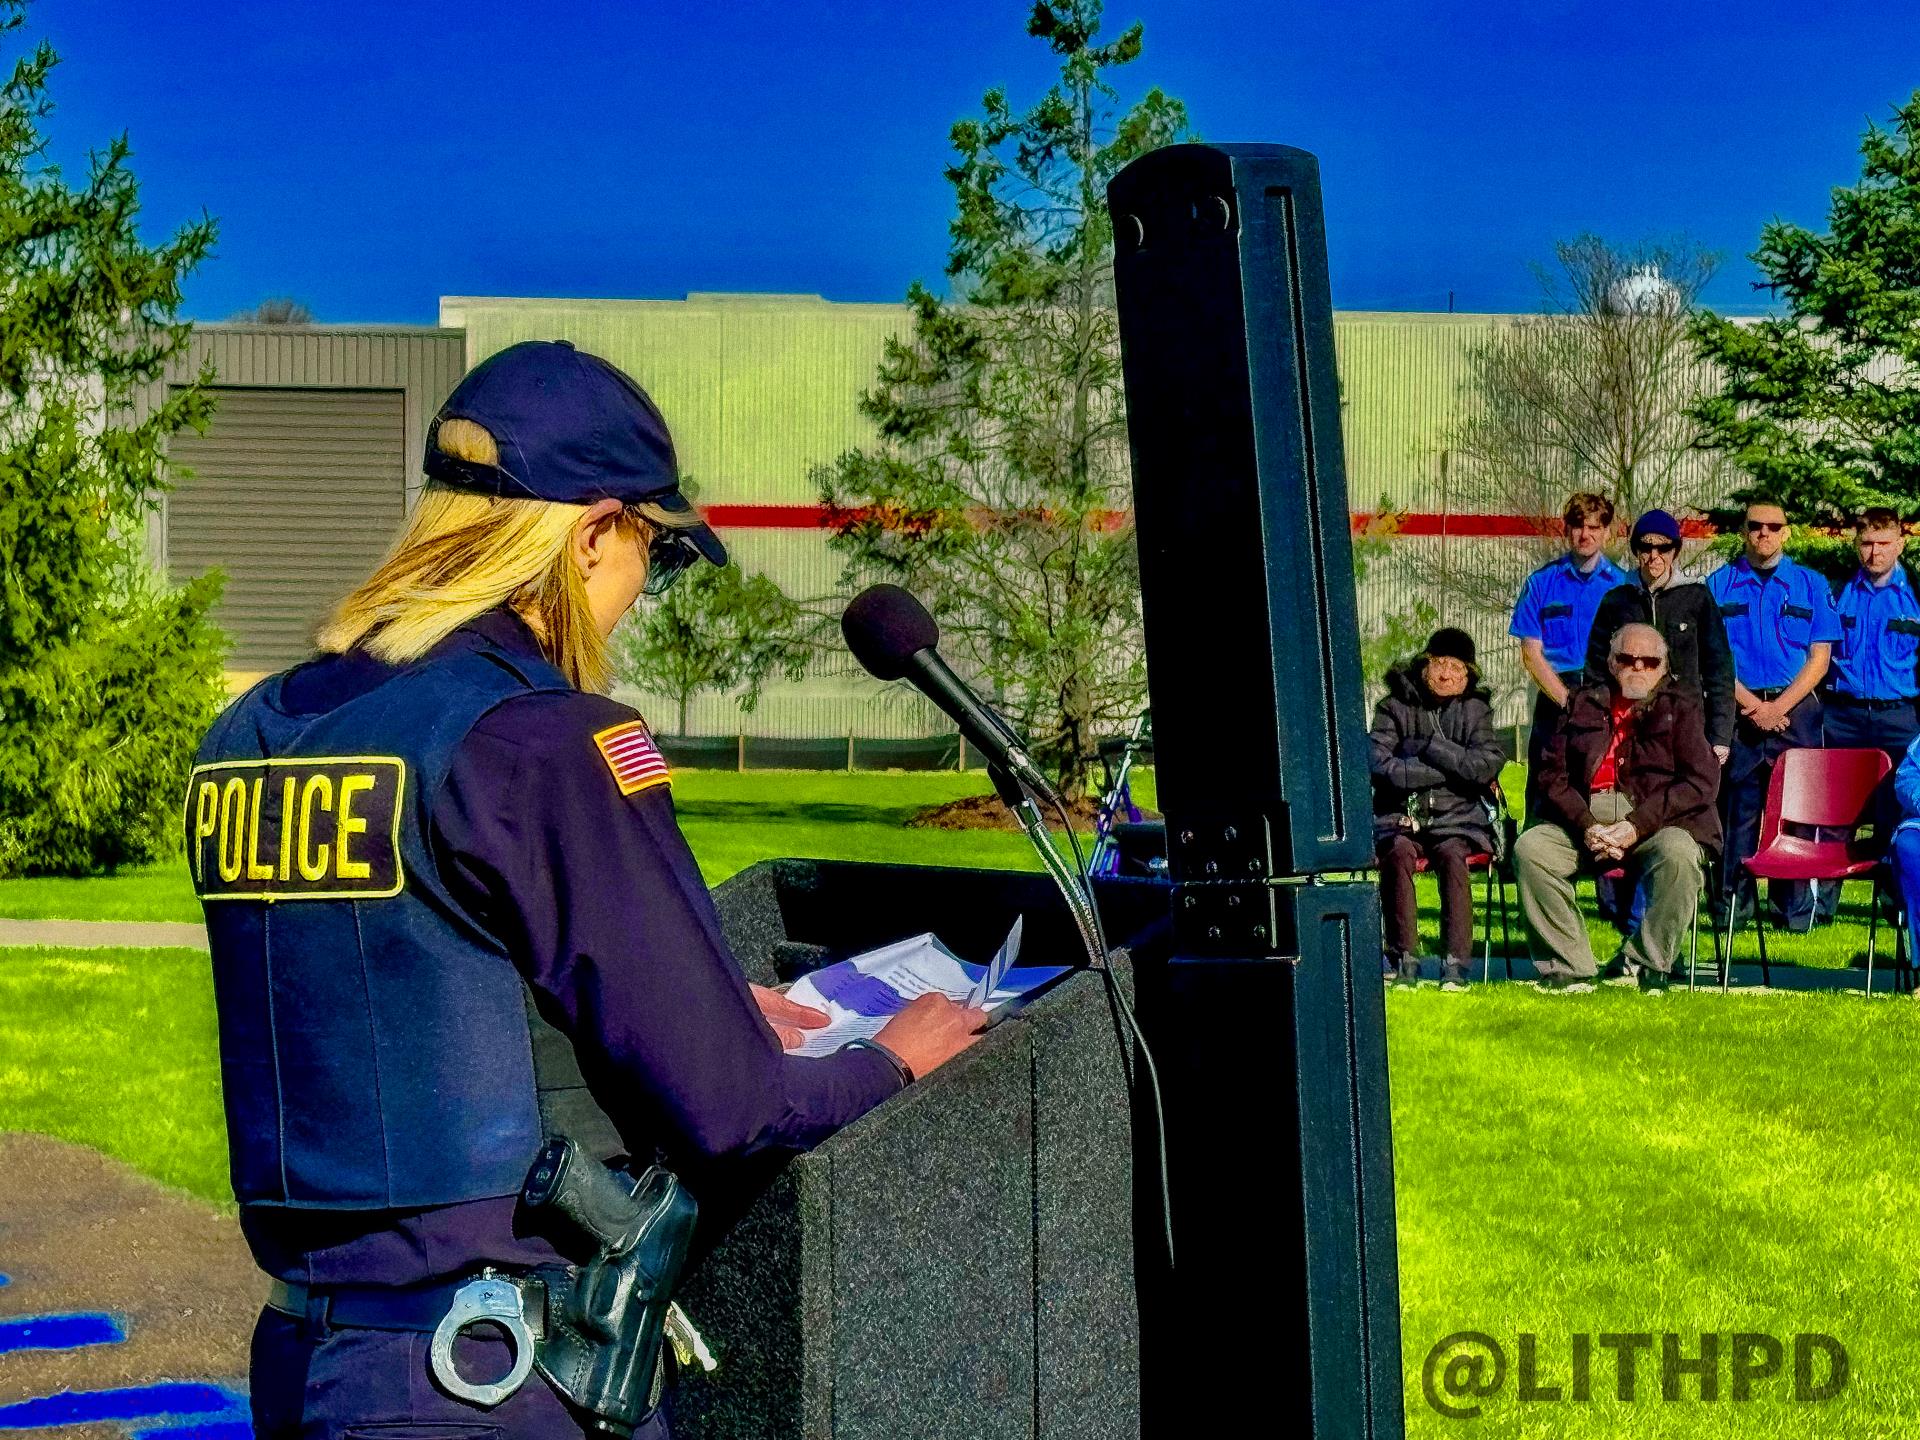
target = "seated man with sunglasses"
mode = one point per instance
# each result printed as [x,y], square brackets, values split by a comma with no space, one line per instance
[1781,626]
[1628,779]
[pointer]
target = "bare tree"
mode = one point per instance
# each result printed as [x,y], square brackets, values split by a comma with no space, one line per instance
[1590,394]
[277,310]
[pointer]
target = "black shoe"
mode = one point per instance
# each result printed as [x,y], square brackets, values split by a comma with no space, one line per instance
[1409,970]
[1454,977]
[1655,982]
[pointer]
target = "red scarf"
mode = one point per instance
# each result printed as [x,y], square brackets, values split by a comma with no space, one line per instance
[1606,773]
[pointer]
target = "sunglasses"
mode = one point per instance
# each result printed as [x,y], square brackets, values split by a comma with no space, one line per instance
[1650,547]
[669,554]
[1638,662]
[1770,526]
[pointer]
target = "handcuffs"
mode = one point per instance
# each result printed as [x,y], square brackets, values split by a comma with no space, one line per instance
[494,1298]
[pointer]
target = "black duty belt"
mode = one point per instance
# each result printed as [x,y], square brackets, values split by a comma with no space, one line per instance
[365,1307]
[1770,693]
[1863,702]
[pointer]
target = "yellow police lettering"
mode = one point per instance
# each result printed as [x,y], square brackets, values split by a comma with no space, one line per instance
[286,829]
[351,824]
[313,861]
[233,807]
[205,808]
[255,870]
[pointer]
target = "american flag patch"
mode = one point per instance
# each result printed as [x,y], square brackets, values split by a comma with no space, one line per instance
[630,753]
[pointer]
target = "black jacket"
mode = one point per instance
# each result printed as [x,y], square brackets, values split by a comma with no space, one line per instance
[1434,760]
[1698,655]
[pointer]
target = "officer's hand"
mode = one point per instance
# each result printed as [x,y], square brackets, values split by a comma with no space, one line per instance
[1720,753]
[788,1017]
[931,1031]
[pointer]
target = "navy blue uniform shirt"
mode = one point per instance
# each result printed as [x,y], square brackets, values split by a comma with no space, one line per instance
[596,896]
[1879,638]
[1557,604]
[1772,619]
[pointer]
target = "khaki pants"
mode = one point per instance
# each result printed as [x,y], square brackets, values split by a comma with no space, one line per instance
[1546,859]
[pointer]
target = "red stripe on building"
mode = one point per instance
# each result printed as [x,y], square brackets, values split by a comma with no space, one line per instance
[815,517]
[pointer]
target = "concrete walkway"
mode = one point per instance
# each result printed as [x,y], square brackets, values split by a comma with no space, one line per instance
[95,934]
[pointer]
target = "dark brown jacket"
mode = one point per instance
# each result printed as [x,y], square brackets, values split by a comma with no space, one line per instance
[1666,767]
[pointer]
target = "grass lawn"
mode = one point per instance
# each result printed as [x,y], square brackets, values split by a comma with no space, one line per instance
[1608,1163]
[731,820]
[1569,1164]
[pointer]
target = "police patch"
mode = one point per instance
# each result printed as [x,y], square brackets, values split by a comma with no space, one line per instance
[633,758]
[324,828]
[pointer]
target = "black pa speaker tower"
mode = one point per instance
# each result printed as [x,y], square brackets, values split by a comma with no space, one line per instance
[1233,407]
[1266,1013]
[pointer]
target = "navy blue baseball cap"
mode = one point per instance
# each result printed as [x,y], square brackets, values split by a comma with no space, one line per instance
[570,427]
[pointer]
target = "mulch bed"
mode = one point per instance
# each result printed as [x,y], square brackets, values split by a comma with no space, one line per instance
[82,1232]
[985,812]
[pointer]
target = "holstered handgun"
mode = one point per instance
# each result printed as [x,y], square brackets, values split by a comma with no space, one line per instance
[604,1324]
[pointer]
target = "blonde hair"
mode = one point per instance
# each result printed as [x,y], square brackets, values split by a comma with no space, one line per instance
[462,553]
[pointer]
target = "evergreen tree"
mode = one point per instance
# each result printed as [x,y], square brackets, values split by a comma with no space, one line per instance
[107,676]
[999,489]
[1821,405]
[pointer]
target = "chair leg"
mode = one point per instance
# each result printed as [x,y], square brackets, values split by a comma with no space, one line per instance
[1486,919]
[1506,929]
[1873,930]
[1693,950]
[1726,970]
[1760,931]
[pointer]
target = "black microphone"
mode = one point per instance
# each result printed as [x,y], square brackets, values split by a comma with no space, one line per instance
[894,638]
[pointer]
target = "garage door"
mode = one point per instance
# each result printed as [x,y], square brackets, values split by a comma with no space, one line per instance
[295,494]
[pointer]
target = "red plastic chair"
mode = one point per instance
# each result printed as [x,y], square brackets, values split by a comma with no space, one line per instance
[1829,788]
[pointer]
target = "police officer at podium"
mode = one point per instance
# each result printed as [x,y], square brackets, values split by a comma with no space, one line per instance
[1869,700]
[451,914]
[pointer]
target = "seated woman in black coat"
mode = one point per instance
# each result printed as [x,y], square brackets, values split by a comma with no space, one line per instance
[1434,762]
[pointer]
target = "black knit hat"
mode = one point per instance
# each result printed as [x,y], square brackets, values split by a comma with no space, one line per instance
[1453,643]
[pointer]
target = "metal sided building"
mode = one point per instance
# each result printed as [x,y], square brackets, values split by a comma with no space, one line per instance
[314,447]
[304,473]
[760,389]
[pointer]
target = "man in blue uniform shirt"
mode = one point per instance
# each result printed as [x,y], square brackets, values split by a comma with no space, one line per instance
[1869,697]
[1780,623]
[1554,615]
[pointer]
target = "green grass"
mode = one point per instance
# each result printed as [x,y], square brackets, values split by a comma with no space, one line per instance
[731,820]
[1575,1164]
[146,892]
[117,1049]
[1610,1163]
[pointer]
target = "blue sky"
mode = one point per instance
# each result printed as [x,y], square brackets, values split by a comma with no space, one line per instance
[369,158]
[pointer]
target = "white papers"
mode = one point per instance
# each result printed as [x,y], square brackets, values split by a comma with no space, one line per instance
[861,995]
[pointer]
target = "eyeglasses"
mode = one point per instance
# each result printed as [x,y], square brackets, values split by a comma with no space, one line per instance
[668,555]
[1772,527]
[1639,662]
[1648,547]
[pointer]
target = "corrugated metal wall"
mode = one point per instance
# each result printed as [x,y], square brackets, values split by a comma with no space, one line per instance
[295,495]
[760,389]
[290,388]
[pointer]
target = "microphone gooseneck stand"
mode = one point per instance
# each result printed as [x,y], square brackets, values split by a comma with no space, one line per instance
[1073,884]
